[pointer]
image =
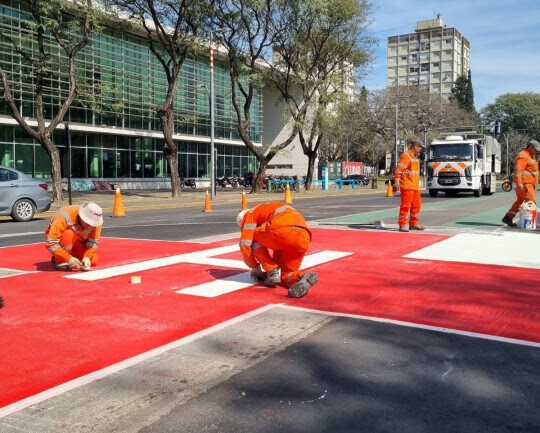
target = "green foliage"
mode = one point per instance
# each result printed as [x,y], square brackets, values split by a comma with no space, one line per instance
[516,111]
[463,93]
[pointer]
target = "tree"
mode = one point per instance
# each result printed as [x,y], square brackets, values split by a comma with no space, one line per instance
[516,111]
[248,34]
[463,94]
[172,28]
[69,25]
[318,51]
[516,141]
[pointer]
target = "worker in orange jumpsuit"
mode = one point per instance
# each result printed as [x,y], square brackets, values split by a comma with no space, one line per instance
[282,229]
[72,236]
[407,181]
[526,178]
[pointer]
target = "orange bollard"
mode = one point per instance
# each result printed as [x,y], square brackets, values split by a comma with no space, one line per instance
[288,196]
[207,204]
[244,200]
[118,210]
[389,190]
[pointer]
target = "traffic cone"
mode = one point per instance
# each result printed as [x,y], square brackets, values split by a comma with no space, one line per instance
[288,196]
[207,204]
[244,200]
[389,189]
[118,210]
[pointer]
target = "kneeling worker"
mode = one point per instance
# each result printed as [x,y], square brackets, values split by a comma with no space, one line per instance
[72,236]
[280,228]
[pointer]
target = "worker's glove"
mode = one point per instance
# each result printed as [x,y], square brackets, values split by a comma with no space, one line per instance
[396,185]
[74,263]
[257,273]
[86,265]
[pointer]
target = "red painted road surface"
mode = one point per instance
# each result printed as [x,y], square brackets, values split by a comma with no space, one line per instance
[56,329]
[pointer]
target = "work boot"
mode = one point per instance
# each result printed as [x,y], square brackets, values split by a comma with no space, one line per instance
[403,229]
[417,228]
[60,266]
[302,286]
[508,221]
[272,278]
[258,274]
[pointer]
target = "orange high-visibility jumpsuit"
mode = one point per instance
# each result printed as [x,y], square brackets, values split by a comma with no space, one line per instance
[65,237]
[280,228]
[408,174]
[525,175]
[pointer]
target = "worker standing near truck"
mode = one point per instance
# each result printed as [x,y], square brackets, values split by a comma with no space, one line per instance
[525,178]
[407,181]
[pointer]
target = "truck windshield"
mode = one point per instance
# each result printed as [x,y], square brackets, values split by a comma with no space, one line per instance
[451,152]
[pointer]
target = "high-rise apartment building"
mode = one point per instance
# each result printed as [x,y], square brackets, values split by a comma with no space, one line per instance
[432,58]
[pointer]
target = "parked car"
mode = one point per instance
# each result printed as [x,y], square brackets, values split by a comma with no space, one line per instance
[21,196]
[359,179]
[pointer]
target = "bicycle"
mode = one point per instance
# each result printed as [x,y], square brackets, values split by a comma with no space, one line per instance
[507,184]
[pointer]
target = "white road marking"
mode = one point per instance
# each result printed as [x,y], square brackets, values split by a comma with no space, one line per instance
[5,272]
[114,271]
[502,248]
[243,280]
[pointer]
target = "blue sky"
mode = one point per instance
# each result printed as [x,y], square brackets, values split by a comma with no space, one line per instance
[504,37]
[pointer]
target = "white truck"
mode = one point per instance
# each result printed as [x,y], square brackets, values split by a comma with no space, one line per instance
[463,161]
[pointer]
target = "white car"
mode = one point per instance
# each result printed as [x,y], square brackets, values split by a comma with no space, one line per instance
[21,196]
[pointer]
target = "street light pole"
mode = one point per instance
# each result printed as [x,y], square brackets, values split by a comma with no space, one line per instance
[212,114]
[396,138]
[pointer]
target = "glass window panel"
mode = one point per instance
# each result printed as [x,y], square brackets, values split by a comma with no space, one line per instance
[94,163]
[78,157]
[161,165]
[148,143]
[202,172]
[228,165]
[6,154]
[78,139]
[43,163]
[149,164]
[192,165]
[93,140]
[122,164]
[24,157]
[22,137]
[109,141]
[122,142]
[136,164]
[6,134]
[109,163]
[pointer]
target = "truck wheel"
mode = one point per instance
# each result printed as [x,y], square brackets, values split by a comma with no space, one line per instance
[433,193]
[487,191]
[478,192]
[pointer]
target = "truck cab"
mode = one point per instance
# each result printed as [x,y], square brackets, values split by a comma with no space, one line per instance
[463,163]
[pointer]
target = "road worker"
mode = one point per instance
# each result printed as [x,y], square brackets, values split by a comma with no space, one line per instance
[282,229]
[72,236]
[526,178]
[407,181]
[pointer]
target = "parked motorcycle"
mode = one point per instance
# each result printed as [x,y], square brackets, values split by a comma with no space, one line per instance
[188,182]
[225,181]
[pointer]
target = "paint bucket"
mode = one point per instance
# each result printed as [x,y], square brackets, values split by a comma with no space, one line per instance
[528,215]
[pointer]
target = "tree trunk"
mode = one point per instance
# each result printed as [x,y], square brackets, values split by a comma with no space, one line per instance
[261,174]
[170,149]
[312,156]
[56,168]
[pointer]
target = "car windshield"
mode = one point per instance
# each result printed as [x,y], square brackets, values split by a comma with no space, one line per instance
[451,152]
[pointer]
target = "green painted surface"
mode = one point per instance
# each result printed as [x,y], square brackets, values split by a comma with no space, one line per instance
[370,217]
[488,219]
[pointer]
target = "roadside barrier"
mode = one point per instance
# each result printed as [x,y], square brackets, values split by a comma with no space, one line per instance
[288,196]
[207,204]
[118,209]
[389,189]
[244,200]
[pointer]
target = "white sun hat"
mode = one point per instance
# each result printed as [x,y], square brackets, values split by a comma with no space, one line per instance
[91,213]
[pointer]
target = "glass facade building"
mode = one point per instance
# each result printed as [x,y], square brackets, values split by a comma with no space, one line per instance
[115,132]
